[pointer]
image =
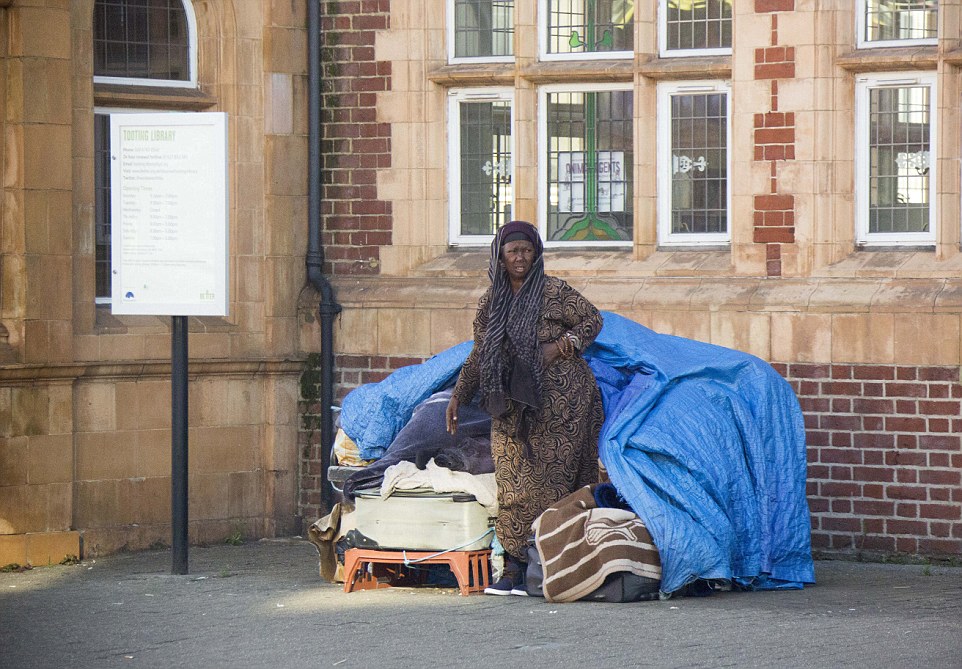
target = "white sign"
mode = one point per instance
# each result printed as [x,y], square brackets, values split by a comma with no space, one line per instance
[610,181]
[168,201]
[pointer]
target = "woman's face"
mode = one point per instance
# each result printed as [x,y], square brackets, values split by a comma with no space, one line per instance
[517,256]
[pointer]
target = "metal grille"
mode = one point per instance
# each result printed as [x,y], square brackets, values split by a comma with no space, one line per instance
[587,26]
[141,39]
[483,28]
[699,163]
[699,24]
[590,158]
[485,129]
[899,141]
[901,19]
[102,203]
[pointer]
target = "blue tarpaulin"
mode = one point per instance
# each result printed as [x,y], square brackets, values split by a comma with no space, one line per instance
[705,443]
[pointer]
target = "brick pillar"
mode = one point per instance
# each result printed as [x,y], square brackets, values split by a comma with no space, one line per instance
[774,141]
[355,144]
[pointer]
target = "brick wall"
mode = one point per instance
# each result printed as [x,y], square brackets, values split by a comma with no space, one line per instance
[885,464]
[356,224]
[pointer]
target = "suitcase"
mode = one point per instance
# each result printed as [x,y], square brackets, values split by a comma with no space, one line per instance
[423,520]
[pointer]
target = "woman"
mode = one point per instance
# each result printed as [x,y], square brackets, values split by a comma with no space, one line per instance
[529,332]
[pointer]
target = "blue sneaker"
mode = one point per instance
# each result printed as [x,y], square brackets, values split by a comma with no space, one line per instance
[504,586]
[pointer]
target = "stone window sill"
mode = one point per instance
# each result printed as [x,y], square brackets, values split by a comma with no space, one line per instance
[892,59]
[591,263]
[147,97]
[107,323]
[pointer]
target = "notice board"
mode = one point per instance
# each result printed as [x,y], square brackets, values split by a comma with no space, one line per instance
[168,203]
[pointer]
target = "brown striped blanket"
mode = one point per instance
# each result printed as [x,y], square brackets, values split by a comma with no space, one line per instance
[580,545]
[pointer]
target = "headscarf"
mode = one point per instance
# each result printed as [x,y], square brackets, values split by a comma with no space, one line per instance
[510,353]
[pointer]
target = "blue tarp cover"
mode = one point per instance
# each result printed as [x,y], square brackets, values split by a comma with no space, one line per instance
[705,443]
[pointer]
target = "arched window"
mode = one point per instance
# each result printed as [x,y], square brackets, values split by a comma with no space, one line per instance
[146,42]
[136,43]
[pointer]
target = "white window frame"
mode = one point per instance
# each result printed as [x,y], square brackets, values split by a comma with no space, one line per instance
[450,32]
[863,43]
[191,81]
[665,91]
[455,98]
[592,55]
[665,52]
[543,93]
[862,166]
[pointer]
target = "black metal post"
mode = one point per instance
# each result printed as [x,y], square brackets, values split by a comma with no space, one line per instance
[178,445]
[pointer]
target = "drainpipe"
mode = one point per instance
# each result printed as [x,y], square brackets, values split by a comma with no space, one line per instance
[329,308]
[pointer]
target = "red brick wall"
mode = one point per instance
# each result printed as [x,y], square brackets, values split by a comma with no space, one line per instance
[356,224]
[885,463]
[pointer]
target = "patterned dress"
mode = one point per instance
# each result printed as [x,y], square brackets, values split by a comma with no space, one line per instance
[563,442]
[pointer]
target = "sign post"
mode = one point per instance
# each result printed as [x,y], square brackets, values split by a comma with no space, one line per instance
[168,203]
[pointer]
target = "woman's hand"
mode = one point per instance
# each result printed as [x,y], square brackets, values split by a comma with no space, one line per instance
[550,351]
[451,415]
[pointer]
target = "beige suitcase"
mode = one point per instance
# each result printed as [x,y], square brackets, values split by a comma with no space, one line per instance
[423,520]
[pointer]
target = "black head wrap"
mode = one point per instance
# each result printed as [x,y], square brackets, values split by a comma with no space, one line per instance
[510,354]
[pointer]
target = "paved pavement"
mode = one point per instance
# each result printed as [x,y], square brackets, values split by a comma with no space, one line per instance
[263,605]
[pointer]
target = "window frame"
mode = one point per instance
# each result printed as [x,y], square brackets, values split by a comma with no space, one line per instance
[665,52]
[542,207]
[664,92]
[862,41]
[863,85]
[190,82]
[451,36]
[543,54]
[456,96]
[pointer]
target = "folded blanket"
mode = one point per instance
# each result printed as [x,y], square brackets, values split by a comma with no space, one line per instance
[580,545]
[406,476]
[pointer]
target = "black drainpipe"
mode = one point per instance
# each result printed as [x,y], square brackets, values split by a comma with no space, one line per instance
[329,308]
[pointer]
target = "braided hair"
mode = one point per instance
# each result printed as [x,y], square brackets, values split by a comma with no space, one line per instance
[511,362]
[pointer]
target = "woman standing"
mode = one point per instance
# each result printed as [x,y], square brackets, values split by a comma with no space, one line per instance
[529,332]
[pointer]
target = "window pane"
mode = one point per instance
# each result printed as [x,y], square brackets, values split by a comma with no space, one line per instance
[483,28]
[899,139]
[102,203]
[901,19]
[485,166]
[699,163]
[141,39]
[699,24]
[586,26]
[590,162]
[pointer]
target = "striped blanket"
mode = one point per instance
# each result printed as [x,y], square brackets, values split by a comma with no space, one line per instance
[580,545]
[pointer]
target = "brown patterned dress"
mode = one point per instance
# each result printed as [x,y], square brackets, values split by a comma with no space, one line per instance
[563,443]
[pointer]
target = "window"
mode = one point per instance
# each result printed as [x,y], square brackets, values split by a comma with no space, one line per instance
[695,27]
[481,166]
[480,30]
[897,22]
[694,133]
[136,43]
[144,41]
[586,169]
[895,159]
[587,28]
